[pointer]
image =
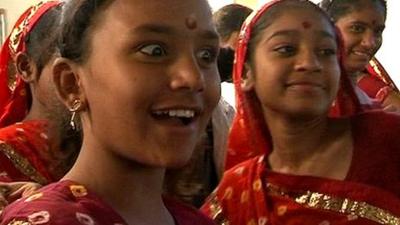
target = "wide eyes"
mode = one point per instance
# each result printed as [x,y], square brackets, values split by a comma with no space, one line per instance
[155,50]
[208,55]
[159,52]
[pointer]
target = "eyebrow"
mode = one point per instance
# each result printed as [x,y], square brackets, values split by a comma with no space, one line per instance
[294,33]
[168,30]
[366,24]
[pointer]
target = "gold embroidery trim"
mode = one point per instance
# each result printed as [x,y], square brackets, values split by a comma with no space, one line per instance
[21,163]
[345,206]
[16,34]
[16,37]
[216,210]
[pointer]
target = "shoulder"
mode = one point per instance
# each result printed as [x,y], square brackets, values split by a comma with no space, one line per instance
[185,214]
[58,203]
[244,176]
[238,185]
[244,169]
[38,208]
[378,120]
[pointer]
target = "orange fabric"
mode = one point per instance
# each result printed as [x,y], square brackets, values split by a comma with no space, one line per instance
[14,100]
[249,135]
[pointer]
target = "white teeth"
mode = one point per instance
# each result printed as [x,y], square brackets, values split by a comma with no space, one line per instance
[176,113]
[360,53]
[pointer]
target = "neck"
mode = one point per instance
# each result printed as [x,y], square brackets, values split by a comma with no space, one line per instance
[139,187]
[305,146]
[59,153]
[294,140]
[355,76]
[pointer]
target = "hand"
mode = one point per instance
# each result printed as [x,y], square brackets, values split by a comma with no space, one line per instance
[12,191]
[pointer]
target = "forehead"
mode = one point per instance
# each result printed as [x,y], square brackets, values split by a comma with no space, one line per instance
[368,13]
[176,13]
[302,19]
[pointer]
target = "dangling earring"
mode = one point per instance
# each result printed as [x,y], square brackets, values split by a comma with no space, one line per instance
[76,105]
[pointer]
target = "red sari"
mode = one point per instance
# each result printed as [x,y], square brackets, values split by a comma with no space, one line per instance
[377,81]
[69,203]
[250,193]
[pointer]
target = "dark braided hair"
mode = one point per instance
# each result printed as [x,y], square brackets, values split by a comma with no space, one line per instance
[339,8]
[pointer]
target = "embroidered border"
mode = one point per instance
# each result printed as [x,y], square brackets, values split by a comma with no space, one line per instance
[21,163]
[216,210]
[346,206]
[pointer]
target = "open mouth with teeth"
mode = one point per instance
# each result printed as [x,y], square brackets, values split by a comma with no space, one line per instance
[184,116]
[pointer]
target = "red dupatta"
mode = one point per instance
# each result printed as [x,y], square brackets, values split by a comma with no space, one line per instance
[249,135]
[14,93]
[375,69]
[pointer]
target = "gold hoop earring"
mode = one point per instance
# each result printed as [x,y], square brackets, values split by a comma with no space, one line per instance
[76,105]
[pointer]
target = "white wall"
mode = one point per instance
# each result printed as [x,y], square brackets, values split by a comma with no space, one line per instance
[14,8]
[216,4]
[390,49]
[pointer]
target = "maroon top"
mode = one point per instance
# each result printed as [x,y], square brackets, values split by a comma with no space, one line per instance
[69,203]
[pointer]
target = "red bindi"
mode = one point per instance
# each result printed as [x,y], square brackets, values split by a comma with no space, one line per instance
[306,24]
[191,22]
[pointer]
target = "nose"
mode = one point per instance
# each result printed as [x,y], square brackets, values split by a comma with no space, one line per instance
[370,40]
[308,60]
[186,74]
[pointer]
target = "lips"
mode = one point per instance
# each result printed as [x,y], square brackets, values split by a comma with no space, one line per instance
[366,55]
[304,83]
[177,115]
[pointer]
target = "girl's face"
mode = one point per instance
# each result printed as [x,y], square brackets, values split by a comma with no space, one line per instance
[151,79]
[295,69]
[362,35]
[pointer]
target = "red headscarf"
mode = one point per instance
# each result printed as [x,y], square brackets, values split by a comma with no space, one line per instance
[249,135]
[375,69]
[14,96]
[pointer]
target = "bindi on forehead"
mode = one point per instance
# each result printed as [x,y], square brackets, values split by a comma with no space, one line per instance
[191,22]
[306,24]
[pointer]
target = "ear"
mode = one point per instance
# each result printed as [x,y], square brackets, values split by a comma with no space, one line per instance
[248,80]
[67,81]
[26,68]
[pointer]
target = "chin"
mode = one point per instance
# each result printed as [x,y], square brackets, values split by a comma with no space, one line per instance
[308,113]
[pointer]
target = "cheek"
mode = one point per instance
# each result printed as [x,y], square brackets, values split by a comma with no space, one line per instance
[348,42]
[212,89]
[333,77]
[378,44]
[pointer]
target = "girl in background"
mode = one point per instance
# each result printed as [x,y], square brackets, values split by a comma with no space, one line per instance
[304,166]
